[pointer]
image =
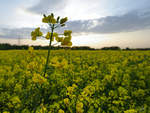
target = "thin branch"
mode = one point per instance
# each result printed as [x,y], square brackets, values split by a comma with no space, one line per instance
[58,25]
[50,25]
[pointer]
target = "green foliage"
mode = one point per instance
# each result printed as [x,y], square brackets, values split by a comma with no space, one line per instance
[76,82]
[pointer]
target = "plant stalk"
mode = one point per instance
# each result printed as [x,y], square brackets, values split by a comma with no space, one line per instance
[49,49]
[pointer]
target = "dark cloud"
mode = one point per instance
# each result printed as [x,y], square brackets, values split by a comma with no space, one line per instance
[17,32]
[47,6]
[129,22]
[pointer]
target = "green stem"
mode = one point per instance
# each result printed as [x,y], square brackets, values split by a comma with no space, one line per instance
[50,43]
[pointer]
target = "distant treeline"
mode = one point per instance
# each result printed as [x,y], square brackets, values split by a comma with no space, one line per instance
[18,47]
[6,46]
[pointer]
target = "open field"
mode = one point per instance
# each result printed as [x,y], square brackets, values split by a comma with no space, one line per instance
[76,81]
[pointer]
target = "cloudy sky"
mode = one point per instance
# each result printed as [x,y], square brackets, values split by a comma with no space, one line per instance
[95,23]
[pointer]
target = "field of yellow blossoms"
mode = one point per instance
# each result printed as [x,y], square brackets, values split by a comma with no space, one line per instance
[75,82]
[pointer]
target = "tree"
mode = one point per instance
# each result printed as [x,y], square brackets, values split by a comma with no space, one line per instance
[64,39]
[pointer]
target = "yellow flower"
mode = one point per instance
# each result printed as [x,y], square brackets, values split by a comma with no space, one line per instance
[130,111]
[38,79]
[63,20]
[67,32]
[66,101]
[79,107]
[61,111]
[48,35]
[6,112]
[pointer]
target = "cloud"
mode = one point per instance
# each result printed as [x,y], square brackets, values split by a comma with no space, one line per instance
[132,21]
[128,22]
[17,32]
[47,6]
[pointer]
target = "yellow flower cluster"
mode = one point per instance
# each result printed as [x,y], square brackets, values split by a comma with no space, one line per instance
[61,111]
[67,39]
[63,20]
[48,36]
[79,107]
[49,19]
[42,109]
[38,79]
[60,63]
[130,111]
[36,33]
[59,39]
[30,49]
[70,90]
[67,33]
[66,101]
[15,102]
[54,23]
[6,112]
